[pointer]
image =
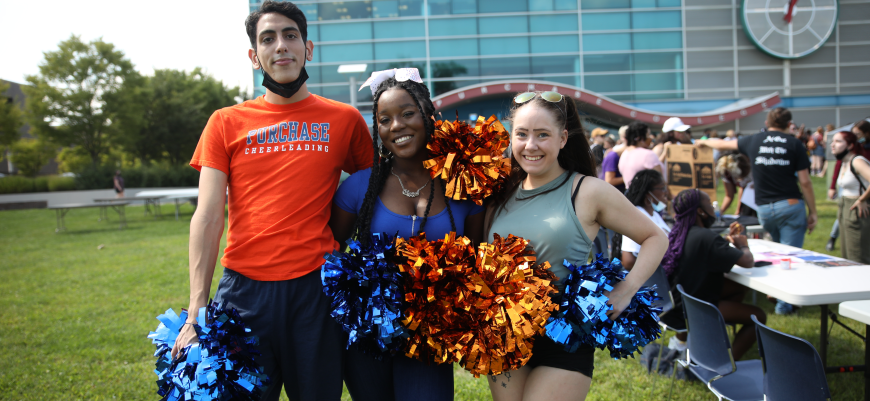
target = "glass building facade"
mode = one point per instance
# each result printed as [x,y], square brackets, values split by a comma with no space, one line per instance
[666,55]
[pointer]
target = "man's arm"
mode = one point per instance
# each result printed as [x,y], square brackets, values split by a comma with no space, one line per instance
[612,179]
[717,144]
[206,229]
[809,197]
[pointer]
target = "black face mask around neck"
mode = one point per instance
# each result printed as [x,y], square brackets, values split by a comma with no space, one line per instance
[284,90]
[841,155]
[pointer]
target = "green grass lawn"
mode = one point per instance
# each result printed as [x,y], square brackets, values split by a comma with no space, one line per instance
[76,306]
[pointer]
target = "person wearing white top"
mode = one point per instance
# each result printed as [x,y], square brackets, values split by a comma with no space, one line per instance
[853,208]
[649,193]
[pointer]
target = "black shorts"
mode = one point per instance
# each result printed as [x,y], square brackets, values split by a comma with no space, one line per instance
[545,352]
[301,346]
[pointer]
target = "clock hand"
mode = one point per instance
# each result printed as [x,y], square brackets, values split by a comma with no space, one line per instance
[790,12]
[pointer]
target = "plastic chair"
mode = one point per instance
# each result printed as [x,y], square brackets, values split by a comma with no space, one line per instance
[792,367]
[677,324]
[710,359]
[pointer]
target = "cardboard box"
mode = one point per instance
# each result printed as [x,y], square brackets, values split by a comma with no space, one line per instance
[691,167]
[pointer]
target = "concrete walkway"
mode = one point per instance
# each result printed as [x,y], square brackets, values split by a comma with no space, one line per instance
[61,197]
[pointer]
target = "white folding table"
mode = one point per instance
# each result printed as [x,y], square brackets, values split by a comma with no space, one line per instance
[860,311]
[806,284]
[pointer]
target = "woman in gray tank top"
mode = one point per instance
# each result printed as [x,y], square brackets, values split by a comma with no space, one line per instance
[545,203]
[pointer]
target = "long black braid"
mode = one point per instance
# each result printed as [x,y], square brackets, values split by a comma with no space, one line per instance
[381,165]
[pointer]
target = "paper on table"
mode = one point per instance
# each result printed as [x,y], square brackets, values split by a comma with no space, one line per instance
[748,197]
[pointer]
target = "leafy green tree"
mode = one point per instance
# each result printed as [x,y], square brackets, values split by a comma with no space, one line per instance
[79,96]
[176,107]
[29,155]
[10,118]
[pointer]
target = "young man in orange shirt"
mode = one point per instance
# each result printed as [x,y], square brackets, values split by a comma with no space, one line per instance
[279,157]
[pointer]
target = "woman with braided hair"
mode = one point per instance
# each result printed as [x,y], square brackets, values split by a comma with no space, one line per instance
[398,195]
[697,258]
[554,200]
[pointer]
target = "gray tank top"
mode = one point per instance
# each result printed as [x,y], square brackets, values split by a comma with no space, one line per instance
[550,224]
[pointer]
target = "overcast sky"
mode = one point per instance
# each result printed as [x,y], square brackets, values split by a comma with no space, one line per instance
[153,34]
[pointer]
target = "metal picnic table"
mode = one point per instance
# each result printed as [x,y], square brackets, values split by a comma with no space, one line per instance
[61,211]
[152,204]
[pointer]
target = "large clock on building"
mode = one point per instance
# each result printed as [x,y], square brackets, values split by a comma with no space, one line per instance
[789,29]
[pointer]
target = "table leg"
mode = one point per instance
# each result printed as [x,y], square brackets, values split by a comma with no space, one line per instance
[176,210]
[823,336]
[57,218]
[157,208]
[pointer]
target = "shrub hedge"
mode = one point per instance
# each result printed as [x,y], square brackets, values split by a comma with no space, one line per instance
[101,177]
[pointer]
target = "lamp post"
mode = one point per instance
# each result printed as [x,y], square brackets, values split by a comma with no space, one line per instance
[351,70]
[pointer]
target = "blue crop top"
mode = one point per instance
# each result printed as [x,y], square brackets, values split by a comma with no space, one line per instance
[350,194]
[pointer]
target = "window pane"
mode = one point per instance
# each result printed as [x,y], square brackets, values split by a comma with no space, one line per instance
[419,65]
[490,46]
[553,23]
[453,48]
[351,31]
[399,29]
[449,69]
[313,74]
[452,27]
[329,74]
[643,3]
[394,50]
[504,25]
[354,52]
[439,7]
[540,5]
[338,93]
[599,4]
[606,62]
[502,6]
[660,19]
[564,5]
[603,42]
[314,33]
[464,7]
[504,66]
[410,8]
[447,86]
[573,80]
[658,81]
[669,3]
[344,10]
[555,44]
[310,11]
[658,40]
[385,9]
[555,64]
[606,21]
[658,61]
[609,83]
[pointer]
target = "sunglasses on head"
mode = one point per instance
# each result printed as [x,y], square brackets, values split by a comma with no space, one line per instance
[552,97]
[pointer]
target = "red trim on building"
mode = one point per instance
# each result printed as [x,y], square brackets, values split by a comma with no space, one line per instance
[495,88]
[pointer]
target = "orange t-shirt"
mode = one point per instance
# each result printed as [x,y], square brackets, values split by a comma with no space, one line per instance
[283,163]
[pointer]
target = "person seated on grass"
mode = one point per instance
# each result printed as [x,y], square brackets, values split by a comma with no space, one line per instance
[698,257]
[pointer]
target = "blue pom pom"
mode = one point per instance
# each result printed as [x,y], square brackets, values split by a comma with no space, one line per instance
[582,317]
[220,367]
[365,291]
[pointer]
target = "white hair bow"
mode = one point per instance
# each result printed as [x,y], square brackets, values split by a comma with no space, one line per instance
[401,75]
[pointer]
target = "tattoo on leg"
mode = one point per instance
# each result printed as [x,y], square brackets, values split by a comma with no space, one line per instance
[507,375]
[493,378]
[503,384]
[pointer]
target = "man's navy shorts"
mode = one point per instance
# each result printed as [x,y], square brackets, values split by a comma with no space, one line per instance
[301,346]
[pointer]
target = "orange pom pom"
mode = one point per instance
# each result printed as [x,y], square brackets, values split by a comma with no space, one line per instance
[481,310]
[469,159]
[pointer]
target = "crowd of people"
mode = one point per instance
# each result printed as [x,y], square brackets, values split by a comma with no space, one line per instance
[568,194]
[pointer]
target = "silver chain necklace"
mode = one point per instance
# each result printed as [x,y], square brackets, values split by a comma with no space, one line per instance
[407,192]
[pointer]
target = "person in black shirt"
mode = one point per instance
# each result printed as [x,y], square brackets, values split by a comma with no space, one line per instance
[776,158]
[697,258]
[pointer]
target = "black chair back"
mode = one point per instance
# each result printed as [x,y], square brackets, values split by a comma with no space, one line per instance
[709,346]
[663,288]
[792,367]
